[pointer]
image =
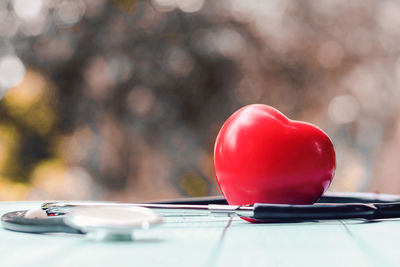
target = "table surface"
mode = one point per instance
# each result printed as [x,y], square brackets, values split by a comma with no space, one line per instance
[212,241]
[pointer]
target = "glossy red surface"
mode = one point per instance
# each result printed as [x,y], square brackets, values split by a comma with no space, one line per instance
[262,156]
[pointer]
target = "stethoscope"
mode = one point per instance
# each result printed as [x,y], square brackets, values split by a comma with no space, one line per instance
[118,221]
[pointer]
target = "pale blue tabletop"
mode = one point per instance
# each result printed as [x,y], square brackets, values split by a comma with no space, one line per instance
[212,241]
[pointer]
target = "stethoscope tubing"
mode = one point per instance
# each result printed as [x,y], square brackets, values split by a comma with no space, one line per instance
[331,206]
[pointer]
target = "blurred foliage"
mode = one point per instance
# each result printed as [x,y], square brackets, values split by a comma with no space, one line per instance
[123,99]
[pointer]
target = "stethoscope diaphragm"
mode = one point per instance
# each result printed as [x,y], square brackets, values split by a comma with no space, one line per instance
[111,223]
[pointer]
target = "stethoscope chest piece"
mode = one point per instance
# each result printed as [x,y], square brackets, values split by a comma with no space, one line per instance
[111,223]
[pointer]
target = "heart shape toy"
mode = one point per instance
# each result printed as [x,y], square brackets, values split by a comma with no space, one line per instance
[261,156]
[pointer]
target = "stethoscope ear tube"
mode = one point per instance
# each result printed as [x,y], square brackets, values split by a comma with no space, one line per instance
[312,212]
[326,211]
[328,197]
[388,210]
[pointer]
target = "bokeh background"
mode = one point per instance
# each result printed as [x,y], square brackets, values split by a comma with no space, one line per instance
[123,99]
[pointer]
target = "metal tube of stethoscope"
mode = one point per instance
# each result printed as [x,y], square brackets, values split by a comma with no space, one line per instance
[162,209]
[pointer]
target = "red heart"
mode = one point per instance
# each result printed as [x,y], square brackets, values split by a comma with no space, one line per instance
[261,156]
